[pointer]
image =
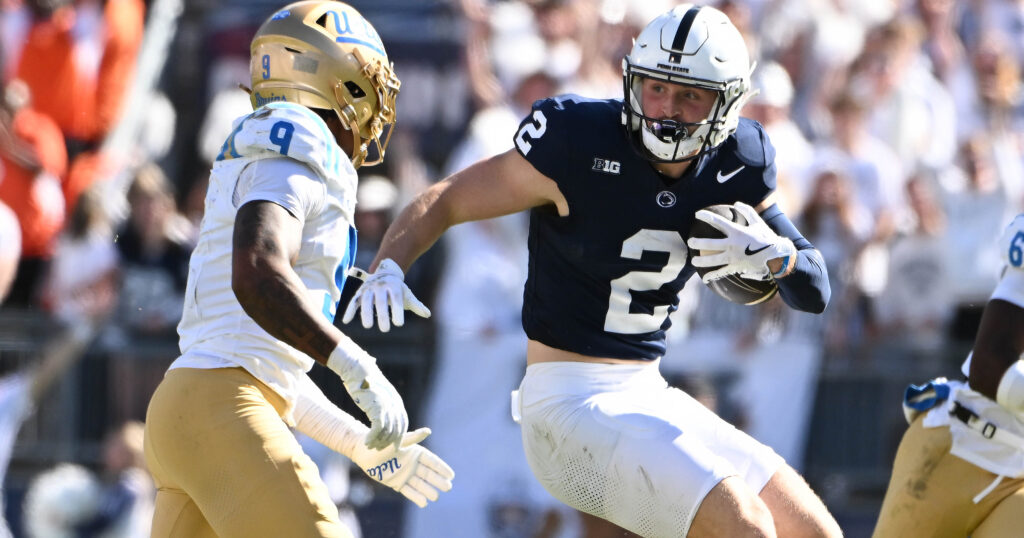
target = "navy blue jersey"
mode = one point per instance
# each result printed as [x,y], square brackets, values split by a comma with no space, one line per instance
[603,280]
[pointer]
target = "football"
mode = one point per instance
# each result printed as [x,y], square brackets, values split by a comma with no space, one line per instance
[745,291]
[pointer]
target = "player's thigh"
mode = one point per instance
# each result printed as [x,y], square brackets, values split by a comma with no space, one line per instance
[638,459]
[796,510]
[930,491]
[175,515]
[218,436]
[1005,518]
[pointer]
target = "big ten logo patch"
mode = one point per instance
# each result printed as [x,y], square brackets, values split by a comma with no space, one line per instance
[606,166]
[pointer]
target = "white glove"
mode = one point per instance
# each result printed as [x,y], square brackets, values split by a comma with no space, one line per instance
[384,290]
[372,392]
[409,469]
[745,250]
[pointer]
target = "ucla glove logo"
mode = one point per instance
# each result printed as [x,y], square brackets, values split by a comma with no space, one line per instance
[390,467]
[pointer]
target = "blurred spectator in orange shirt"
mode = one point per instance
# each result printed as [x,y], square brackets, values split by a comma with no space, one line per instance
[32,159]
[78,60]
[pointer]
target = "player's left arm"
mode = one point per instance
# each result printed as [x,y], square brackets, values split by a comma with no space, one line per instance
[803,281]
[998,347]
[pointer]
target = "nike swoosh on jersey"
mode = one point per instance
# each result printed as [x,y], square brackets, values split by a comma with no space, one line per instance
[722,178]
[747,250]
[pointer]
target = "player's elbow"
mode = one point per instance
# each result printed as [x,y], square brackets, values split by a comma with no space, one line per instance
[811,297]
[820,302]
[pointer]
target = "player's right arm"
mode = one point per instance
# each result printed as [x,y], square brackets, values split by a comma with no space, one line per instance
[500,185]
[996,368]
[504,184]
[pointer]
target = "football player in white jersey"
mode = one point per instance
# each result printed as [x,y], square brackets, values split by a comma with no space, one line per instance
[275,245]
[959,470]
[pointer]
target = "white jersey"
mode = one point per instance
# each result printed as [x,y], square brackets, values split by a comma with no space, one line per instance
[316,183]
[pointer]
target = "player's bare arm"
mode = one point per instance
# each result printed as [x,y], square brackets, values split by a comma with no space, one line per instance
[999,345]
[266,240]
[493,187]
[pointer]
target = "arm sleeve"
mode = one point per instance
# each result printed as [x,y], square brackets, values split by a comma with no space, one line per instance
[286,182]
[324,422]
[806,288]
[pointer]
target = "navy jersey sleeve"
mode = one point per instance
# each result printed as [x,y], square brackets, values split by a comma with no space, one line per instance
[753,149]
[541,138]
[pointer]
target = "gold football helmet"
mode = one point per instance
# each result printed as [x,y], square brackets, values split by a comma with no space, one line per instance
[324,54]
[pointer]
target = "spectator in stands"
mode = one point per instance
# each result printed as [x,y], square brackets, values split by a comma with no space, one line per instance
[910,109]
[84,276]
[22,389]
[914,308]
[771,107]
[839,226]
[154,250]
[125,507]
[32,159]
[78,59]
[69,500]
[978,201]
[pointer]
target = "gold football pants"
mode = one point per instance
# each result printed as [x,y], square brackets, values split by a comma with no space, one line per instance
[225,464]
[931,491]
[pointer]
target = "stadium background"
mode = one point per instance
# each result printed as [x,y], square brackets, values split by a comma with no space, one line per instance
[898,130]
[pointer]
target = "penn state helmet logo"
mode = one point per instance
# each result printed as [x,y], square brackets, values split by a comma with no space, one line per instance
[666,199]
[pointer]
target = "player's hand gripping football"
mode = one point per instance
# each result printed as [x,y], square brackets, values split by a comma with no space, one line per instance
[372,392]
[384,290]
[745,249]
[409,469]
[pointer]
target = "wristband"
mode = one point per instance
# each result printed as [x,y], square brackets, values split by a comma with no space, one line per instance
[348,356]
[785,266]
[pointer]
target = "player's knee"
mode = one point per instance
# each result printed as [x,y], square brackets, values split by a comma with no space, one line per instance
[732,509]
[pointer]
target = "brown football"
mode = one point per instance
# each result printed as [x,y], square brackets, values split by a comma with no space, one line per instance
[745,291]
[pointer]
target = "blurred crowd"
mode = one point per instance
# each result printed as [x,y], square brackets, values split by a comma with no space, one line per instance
[898,126]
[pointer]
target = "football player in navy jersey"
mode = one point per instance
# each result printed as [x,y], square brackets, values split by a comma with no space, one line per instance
[613,187]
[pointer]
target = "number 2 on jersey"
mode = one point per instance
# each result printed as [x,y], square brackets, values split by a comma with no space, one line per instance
[619,319]
[533,130]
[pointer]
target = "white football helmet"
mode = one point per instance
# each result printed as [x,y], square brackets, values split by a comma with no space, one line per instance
[691,45]
[325,55]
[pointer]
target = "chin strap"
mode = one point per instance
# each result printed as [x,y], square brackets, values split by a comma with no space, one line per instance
[348,119]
